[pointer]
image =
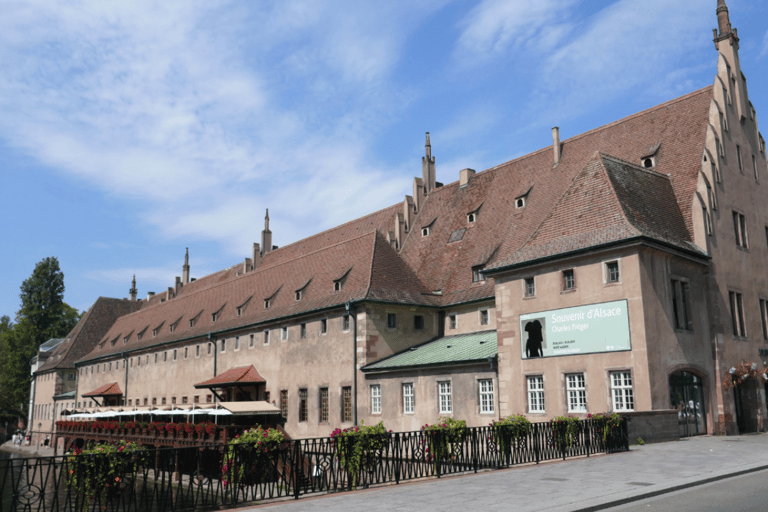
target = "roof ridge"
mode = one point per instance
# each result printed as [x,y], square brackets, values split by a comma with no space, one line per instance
[635,166]
[592,131]
[336,227]
[323,248]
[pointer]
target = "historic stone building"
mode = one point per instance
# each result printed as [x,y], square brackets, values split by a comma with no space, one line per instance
[619,270]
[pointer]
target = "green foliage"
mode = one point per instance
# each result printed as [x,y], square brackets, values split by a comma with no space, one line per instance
[359,447]
[509,430]
[250,455]
[443,438]
[43,315]
[99,472]
[606,422]
[640,441]
[565,431]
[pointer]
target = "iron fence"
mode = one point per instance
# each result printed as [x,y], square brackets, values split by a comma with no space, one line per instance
[205,478]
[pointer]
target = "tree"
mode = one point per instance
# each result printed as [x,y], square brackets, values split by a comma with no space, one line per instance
[43,315]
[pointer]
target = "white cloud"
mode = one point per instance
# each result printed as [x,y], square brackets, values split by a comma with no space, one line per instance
[201,114]
[497,27]
[764,50]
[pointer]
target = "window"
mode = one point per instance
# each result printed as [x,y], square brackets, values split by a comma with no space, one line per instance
[192,322]
[337,286]
[484,317]
[266,303]
[621,389]
[764,317]
[303,331]
[163,400]
[444,397]
[452,321]
[165,356]
[173,400]
[391,320]
[486,396]
[240,311]
[210,347]
[209,399]
[215,316]
[418,322]
[237,342]
[284,333]
[125,340]
[323,326]
[648,162]
[471,217]
[186,352]
[298,295]
[172,327]
[284,403]
[409,402]
[738,157]
[680,305]
[174,354]
[376,399]
[577,393]
[154,333]
[197,350]
[425,231]
[323,405]
[223,346]
[72,374]
[740,229]
[477,274]
[302,405]
[612,272]
[197,399]
[345,323]
[530,287]
[536,393]
[569,282]
[737,314]
[118,367]
[266,337]
[520,202]
[250,341]
[183,400]
[346,404]
[154,401]
[754,167]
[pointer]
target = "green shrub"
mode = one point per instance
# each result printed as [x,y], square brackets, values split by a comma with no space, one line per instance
[358,447]
[250,455]
[510,429]
[99,471]
[444,438]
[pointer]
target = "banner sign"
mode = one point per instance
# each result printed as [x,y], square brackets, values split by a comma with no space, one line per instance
[580,330]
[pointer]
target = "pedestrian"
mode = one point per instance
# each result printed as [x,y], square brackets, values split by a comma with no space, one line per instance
[47,441]
[14,439]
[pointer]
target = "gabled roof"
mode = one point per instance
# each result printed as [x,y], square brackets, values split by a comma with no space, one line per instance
[460,348]
[233,377]
[609,201]
[111,389]
[88,332]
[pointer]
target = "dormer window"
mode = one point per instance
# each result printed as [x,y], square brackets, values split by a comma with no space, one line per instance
[172,327]
[425,231]
[125,340]
[241,307]
[649,162]
[215,316]
[471,218]
[139,336]
[337,286]
[154,333]
[240,311]
[477,274]
[520,202]
[266,303]
[298,295]
[192,322]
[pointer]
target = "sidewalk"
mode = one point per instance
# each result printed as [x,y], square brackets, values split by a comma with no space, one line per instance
[28,451]
[584,484]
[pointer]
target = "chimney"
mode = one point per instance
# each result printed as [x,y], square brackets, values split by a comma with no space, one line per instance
[266,236]
[556,143]
[465,175]
[176,287]
[133,291]
[150,295]
[185,268]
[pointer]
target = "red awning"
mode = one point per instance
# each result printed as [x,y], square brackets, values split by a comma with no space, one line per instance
[242,375]
[106,390]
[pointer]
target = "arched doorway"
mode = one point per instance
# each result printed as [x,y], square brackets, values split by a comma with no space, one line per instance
[686,394]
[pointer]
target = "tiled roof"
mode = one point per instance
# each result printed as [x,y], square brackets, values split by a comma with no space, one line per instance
[476,346]
[110,389]
[676,128]
[609,201]
[233,377]
[50,344]
[88,332]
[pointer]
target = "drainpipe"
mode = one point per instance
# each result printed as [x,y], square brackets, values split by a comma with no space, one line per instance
[351,311]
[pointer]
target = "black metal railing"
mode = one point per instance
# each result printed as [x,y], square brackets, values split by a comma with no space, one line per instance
[212,477]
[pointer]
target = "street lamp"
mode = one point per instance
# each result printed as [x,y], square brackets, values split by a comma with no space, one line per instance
[39,429]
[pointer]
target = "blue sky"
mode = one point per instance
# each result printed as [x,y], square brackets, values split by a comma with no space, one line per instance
[131,130]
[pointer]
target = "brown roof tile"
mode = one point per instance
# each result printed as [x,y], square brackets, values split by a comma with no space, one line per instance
[234,376]
[111,389]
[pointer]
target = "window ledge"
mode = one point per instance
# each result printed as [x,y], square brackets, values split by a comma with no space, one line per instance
[617,283]
[572,290]
[741,248]
[740,338]
[531,297]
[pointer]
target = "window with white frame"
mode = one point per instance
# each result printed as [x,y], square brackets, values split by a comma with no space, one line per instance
[284,333]
[345,323]
[536,393]
[486,395]
[621,389]
[484,317]
[444,397]
[612,272]
[529,289]
[266,337]
[375,398]
[409,402]
[577,392]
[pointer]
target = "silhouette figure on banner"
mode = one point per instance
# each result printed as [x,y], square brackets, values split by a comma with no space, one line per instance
[533,347]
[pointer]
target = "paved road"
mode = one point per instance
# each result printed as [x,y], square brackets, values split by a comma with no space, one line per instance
[744,493]
[585,484]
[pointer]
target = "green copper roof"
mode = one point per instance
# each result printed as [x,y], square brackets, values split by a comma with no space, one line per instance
[64,396]
[476,346]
